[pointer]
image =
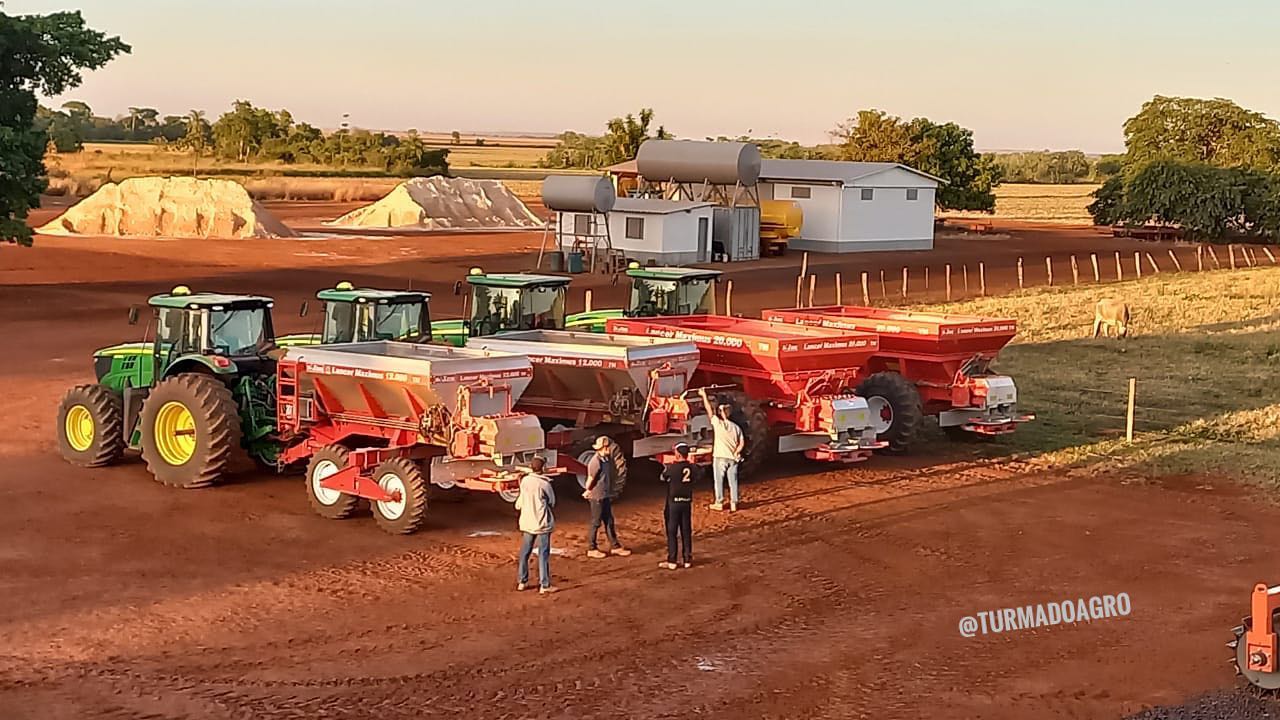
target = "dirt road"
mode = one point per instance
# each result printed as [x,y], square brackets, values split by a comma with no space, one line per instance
[835,593]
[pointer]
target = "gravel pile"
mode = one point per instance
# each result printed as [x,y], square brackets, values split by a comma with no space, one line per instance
[1239,704]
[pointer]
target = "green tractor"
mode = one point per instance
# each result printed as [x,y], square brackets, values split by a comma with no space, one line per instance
[354,314]
[190,400]
[658,292]
[504,302]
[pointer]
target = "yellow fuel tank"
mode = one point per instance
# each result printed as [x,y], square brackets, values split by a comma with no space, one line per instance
[780,219]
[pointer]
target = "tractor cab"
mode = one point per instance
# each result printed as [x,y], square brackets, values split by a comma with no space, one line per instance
[665,291]
[354,314]
[515,301]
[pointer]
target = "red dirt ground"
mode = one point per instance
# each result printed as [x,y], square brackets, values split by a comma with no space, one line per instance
[835,593]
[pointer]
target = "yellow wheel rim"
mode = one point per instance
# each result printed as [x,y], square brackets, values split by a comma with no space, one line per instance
[79,428]
[175,433]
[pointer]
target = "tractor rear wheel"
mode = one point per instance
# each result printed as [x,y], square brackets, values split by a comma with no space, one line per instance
[190,430]
[329,503]
[583,451]
[757,447]
[406,515]
[91,426]
[895,407]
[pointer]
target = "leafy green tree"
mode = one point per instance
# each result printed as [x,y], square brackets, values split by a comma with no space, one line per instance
[621,141]
[1107,207]
[45,54]
[455,137]
[945,150]
[1217,132]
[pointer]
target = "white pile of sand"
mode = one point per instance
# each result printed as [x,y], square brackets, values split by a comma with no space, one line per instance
[440,203]
[178,207]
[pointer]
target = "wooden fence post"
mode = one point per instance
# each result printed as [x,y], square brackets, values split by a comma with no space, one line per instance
[964,270]
[1174,257]
[1200,258]
[813,283]
[884,289]
[728,299]
[1075,271]
[948,273]
[804,264]
[1048,270]
[1093,258]
[1137,264]
[1213,255]
[1128,416]
[866,293]
[1253,257]
[1270,257]
[799,289]
[1119,268]
[1154,266]
[926,278]
[586,300]
[839,290]
[1232,250]
[904,282]
[1020,285]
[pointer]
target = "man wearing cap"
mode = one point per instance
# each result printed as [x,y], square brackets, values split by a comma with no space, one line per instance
[726,451]
[534,503]
[599,491]
[678,515]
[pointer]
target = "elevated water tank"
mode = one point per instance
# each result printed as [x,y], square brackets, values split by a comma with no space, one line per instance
[695,161]
[578,193]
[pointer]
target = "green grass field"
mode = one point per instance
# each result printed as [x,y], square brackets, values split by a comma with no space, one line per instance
[1205,352]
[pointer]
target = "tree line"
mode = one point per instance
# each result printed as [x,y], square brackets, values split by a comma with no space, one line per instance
[247,134]
[1056,167]
[1209,167]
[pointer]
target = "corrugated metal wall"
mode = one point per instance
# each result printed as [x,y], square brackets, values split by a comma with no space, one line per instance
[738,230]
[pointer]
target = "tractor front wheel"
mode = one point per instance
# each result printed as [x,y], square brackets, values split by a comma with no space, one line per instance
[91,426]
[896,411]
[400,476]
[329,503]
[583,451]
[190,430]
[757,447]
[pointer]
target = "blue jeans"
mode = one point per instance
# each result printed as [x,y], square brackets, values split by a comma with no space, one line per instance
[724,468]
[544,559]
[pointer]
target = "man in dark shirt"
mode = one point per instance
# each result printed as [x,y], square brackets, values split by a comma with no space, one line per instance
[679,477]
[598,492]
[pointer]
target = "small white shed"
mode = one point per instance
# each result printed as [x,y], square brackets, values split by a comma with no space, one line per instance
[669,232]
[855,206]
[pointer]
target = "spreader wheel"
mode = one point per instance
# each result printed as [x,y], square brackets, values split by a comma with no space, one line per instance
[401,477]
[757,444]
[583,451]
[190,430]
[91,426]
[329,503]
[895,408]
[1264,682]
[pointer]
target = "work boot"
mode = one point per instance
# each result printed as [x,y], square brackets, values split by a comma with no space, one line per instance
[620,552]
[733,507]
[548,590]
[593,553]
[521,587]
[716,506]
[667,565]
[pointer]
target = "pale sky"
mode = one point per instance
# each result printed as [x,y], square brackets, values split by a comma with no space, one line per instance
[1022,74]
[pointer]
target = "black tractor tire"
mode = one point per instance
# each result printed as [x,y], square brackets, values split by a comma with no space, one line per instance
[407,516]
[903,403]
[217,429]
[105,408]
[757,440]
[328,503]
[581,451]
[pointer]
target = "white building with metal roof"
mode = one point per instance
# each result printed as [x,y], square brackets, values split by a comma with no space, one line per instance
[854,206]
[668,232]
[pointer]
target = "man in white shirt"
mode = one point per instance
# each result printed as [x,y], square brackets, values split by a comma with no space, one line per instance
[726,452]
[534,503]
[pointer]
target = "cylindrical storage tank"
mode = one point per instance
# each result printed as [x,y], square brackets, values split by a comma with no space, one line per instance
[578,193]
[695,161]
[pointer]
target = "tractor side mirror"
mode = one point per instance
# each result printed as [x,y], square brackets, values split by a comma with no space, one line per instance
[457,287]
[306,308]
[133,314]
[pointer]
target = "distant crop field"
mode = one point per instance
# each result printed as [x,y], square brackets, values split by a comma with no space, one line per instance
[1041,203]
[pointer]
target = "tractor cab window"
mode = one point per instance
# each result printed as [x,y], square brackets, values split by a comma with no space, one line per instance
[530,308]
[237,332]
[339,322]
[400,321]
[179,331]
[651,298]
